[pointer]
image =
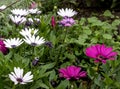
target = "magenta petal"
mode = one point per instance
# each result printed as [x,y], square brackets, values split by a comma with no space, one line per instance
[83,74]
[63,72]
[111,54]
[71,70]
[91,52]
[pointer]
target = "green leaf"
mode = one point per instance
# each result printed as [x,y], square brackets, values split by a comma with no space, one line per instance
[39,84]
[107,13]
[63,85]
[107,36]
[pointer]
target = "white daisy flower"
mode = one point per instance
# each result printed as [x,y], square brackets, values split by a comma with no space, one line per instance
[34,11]
[34,40]
[17,76]
[17,19]
[66,12]
[32,20]
[2,7]
[13,42]
[28,31]
[20,12]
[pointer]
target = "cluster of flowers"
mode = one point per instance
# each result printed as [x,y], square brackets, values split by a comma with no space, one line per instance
[19,15]
[30,38]
[67,15]
[100,53]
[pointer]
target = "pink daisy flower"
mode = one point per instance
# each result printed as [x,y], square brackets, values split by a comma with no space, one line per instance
[72,72]
[100,53]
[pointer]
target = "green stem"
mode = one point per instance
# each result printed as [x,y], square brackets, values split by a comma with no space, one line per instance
[13,86]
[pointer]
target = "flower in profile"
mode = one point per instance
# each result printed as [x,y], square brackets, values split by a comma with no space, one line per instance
[28,31]
[13,42]
[2,7]
[35,61]
[3,49]
[33,5]
[17,19]
[32,21]
[67,22]
[53,22]
[66,12]
[100,53]
[49,44]
[34,40]
[20,12]
[72,73]
[18,78]
[34,11]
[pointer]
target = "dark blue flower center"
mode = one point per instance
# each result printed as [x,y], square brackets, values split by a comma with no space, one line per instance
[19,80]
[33,44]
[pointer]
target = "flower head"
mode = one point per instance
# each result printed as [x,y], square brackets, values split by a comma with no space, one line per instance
[66,12]
[33,21]
[13,42]
[72,72]
[100,53]
[17,19]
[20,12]
[35,61]
[67,22]
[3,49]
[17,76]
[28,32]
[34,40]
[33,5]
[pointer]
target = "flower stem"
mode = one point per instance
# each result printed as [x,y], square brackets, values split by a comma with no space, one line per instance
[13,86]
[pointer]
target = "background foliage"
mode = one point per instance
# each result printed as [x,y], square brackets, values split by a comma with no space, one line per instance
[68,47]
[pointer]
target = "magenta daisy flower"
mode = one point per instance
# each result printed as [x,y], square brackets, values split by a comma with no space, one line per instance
[72,72]
[100,53]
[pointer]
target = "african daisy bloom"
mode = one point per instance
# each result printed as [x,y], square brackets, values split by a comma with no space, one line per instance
[28,32]
[72,73]
[13,42]
[20,12]
[3,49]
[67,22]
[34,40]
[100,53]
[66,12]
[17,76]
[17,19]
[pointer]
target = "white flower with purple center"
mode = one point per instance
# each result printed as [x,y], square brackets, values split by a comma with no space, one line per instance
[34,40]
[13,42]
[20,12]
[66,12]
[28,32]
[67,22]
[18,78]
[17,19]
